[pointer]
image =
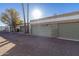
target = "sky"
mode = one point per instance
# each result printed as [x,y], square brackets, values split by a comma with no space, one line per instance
[47,9]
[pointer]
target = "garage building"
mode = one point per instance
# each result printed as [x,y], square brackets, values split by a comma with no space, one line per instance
[64,26]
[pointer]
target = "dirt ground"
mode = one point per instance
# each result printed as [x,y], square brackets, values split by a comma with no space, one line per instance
[16,44]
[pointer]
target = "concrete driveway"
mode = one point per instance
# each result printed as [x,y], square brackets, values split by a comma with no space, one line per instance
[15,44]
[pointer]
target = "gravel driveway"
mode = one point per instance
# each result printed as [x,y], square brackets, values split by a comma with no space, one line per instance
[15,44]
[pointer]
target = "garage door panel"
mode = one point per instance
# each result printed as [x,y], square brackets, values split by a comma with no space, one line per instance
[69,30]
[44,30]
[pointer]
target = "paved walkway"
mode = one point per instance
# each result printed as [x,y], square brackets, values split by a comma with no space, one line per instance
[15,44]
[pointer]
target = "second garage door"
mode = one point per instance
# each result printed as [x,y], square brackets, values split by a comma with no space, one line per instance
[69,30]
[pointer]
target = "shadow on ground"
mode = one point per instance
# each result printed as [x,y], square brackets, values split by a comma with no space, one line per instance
[26,45]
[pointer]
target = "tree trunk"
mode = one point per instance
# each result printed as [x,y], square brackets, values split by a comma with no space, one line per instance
[14,26]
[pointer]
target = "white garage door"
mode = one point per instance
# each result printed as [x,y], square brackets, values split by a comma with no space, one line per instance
[44,30]
[69,30]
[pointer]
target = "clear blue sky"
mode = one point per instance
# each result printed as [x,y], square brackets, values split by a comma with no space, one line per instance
[47,9]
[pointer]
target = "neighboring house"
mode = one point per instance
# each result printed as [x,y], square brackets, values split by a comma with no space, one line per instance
[4,28]
[64,26]
[22,28]
[7,28]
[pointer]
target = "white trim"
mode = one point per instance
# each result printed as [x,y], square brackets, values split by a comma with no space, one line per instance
[68,39]
[58,20]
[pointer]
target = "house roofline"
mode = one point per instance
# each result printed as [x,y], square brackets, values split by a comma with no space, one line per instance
[57,16]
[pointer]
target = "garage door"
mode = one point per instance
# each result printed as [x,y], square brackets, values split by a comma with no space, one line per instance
[69,30]
[44,30]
